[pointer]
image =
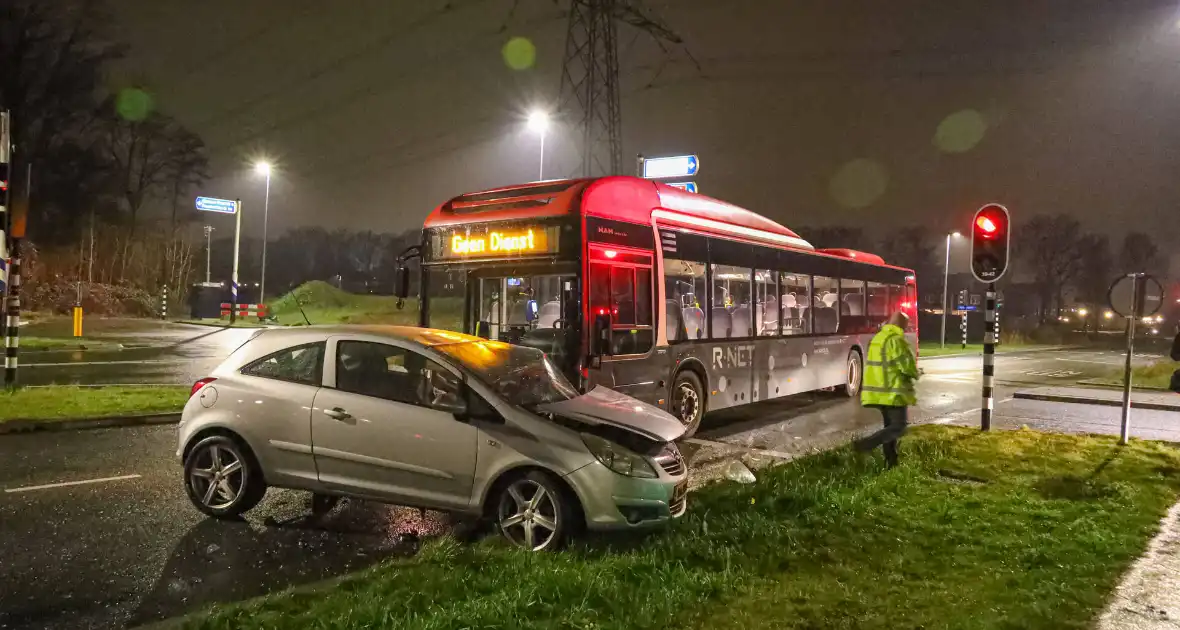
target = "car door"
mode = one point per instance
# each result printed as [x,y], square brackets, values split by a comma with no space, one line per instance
[380,426]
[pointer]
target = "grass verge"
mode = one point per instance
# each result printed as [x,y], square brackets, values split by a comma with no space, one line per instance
[67,343]
[1004,529]
[66,402]
[931,349]
[1156,376]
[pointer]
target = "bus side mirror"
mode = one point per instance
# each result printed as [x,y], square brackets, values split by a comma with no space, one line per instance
[401,283]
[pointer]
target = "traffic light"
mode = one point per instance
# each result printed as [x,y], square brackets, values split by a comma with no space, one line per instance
[990,238]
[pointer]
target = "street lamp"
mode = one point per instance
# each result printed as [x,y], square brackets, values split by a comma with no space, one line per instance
[538,123]
[946,276]
[263,168]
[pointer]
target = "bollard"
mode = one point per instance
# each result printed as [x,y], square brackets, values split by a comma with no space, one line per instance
[963,328]
[164,304]
[78,320]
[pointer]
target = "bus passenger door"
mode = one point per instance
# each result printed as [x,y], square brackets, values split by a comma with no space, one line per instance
[620,291]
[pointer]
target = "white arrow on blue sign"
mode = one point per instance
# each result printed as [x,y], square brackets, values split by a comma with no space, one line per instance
[689,186]
[675,166]
[213,204]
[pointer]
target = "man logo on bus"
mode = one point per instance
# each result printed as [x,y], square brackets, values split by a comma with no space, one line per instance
[731,357]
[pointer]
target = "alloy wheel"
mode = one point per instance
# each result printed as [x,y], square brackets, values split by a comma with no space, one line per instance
[528,515]
[853,375]
[218,477]
[689,404]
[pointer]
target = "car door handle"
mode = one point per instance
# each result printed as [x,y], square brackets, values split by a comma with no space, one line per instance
[338,414]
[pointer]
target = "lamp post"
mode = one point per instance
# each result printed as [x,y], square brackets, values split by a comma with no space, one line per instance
[539,124]
[946,277]
[263,168]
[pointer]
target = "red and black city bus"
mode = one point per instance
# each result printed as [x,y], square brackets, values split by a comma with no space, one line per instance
[672,297]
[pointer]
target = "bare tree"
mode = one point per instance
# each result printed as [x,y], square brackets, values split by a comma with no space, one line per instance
[1051,247]
[147,157]
[1097,269]
[1139,254]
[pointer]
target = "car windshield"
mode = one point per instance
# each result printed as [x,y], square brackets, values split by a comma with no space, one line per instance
[522,376]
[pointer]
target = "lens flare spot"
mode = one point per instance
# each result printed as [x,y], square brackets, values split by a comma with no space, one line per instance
[519,53]
[960,132]
[859,183]
[134,104]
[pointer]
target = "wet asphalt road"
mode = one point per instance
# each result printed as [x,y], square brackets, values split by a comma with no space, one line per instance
[156,352]
[128,549]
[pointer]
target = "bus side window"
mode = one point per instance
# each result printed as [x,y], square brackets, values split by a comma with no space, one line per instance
[795,303]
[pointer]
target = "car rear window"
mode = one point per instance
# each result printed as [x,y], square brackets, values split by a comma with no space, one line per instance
[302,364]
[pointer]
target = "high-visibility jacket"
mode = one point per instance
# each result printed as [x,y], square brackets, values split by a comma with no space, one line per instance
[890,370]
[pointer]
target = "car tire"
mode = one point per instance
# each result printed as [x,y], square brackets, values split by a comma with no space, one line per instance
[854,375]
[535,511]
[688,401]
[222,477]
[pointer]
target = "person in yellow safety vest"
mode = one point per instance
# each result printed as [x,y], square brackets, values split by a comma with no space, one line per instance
[890,373]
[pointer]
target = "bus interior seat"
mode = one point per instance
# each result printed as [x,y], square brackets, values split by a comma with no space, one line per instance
[845,308]
[826,320]
[770,315]
[740,322]
[518,313]
[549,314]
[694,322]
[722,324]
[828,299]
[855,303]
[674,321]
[789,300]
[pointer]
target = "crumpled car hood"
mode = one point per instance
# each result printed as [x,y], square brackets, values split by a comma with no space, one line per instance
[605,406]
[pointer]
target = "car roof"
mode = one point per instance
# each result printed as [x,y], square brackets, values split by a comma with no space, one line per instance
[428,337]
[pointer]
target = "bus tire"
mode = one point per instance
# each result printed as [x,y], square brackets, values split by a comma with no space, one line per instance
[854,375]
[688,401]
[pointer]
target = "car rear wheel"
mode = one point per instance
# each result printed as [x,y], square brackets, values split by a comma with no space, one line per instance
[688,401]
[854,375]
[535,513]
[222,477]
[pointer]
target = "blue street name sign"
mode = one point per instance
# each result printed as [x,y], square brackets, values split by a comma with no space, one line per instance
[675,166]
[213,204]
[689,186]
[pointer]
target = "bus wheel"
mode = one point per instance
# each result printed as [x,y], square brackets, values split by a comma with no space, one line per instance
[688,401]
[854,375]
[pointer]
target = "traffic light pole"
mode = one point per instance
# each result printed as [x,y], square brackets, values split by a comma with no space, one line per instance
[989,358]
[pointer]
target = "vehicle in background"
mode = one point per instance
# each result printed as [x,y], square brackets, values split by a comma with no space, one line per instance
[431,419]
[685,302]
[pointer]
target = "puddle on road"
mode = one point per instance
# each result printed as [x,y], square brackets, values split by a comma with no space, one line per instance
[278,546]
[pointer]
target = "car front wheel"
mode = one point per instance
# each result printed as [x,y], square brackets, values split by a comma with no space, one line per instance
[533,512]
[222,478]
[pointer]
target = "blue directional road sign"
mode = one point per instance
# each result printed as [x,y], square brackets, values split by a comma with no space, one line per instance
[689,186]
[213,204]
[675,166]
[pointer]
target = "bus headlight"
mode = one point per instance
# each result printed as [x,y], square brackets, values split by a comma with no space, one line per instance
[619,459]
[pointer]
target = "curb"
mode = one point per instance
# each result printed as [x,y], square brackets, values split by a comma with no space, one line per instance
[75,424]
[1103,402]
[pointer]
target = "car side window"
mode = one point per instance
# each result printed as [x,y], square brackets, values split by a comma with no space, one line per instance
[300,364]
[392,373]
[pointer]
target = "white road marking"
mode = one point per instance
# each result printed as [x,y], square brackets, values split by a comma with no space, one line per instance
[64,484]
[102,362]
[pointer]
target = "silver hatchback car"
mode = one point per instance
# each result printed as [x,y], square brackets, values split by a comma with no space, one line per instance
[431,419]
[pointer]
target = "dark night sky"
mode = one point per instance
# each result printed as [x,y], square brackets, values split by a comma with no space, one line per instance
[809,112]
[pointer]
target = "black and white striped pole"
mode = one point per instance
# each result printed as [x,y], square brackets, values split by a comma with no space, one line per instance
[990,238]
[164,303]
[989,358]
[963,327]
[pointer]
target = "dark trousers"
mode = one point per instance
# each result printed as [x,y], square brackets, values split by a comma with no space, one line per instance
[895,420]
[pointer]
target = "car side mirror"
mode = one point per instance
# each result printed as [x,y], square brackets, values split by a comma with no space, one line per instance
[476,409]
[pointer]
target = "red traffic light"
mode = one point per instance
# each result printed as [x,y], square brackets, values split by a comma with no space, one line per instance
[986,225]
